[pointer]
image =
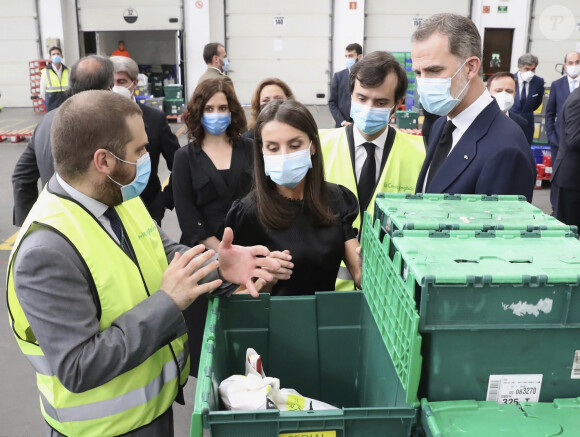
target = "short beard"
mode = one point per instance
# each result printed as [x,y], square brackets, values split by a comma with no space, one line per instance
[109,191]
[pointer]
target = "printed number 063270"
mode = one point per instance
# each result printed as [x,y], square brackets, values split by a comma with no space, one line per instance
[526,391]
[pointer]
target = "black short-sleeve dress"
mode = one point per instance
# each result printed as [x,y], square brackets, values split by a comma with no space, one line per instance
[316,251]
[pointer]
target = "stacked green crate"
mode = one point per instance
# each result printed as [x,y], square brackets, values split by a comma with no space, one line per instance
[404,58]
[327,346]
[491,304]
[484,419]
[437,212]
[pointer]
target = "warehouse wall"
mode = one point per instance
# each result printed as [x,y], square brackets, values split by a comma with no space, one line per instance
[348,27]
[517,18]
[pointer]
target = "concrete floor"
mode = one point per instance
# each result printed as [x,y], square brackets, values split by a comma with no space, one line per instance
[19,409]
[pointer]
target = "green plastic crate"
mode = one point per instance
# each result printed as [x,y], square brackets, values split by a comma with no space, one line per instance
[326,346]
[174,91]
[492,303]
[407,119]
[155,102]
[173,106]
[484,419]
[400,211]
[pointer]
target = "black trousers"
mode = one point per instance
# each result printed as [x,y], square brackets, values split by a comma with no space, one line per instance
[568,206]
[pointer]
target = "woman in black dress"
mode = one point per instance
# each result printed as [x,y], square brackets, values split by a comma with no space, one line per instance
[212,171]
[291,208]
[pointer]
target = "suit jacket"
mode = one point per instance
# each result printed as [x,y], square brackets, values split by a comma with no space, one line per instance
[51,278]
[533,101]
[202,196]
[213,73]
[161,142]
[565,169]
[520,121]
[492,157]
[339,100]
[36,162]
[559,92]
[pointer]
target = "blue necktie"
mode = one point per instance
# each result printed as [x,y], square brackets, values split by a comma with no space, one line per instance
[117,227]
[524,95]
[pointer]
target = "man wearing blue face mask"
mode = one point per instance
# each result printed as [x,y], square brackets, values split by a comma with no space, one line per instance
[54,80]
[96,290]
[368,156]
[339,100]
[215,57]
[473,148]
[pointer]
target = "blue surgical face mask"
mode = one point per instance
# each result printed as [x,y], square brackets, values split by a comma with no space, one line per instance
[56,59]
[226,66]
[435,93]
[350,62]
[288,170]
[367,119]
[136,187]
[216,124]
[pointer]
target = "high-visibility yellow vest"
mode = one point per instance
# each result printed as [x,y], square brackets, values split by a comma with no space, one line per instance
[55,88]
[140,395]
[399,175]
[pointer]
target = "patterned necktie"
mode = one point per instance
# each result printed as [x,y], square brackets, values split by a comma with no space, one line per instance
[117,227]
[366,181]
[442,150]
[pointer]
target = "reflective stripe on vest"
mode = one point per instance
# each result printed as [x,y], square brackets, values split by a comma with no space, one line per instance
[53,83]
[399,175]
[110,407]
[141,394]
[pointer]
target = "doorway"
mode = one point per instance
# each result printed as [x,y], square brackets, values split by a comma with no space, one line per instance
[497,51]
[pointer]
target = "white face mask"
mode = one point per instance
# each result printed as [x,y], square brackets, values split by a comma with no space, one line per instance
[123,91]
[505,100]
[527,75]
[573,71]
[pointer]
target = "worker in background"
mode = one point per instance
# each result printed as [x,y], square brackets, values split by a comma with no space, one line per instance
[473,148]
[54,81]
[502,87]
[89,73]
[215,57]
[121,50]
[95,289]
[529,92]
[369,156]
[161,140]
[339,101]
[559,92]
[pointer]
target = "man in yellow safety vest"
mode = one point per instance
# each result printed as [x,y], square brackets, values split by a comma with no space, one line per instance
[368,156]
[54,80]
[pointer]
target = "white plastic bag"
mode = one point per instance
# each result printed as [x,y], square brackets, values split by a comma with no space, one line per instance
[256,391]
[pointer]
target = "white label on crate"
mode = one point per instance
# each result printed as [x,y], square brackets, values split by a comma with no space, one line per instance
[513,389]
[576,366]
[548,169]
[522,308]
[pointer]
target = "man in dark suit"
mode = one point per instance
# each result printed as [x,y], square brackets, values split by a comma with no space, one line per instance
[161,140]
[565,170]
[529,91]
[339,101]
[91,73]
[559,92]
[502,87]
[475,148]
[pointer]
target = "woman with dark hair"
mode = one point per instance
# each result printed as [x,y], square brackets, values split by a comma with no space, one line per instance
[291,208]
[212,171]
[267,90]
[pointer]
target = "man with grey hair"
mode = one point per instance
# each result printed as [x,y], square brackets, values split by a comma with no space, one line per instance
[529,91]
[95,289]
[161,140]
[90,73]
[473,148]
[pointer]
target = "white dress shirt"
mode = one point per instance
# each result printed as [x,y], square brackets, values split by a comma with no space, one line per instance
[463,120]
[360,153]
[95,207]
[576,79]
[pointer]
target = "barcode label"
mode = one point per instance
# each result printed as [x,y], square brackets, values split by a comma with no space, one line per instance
[513,389]
[576,366]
